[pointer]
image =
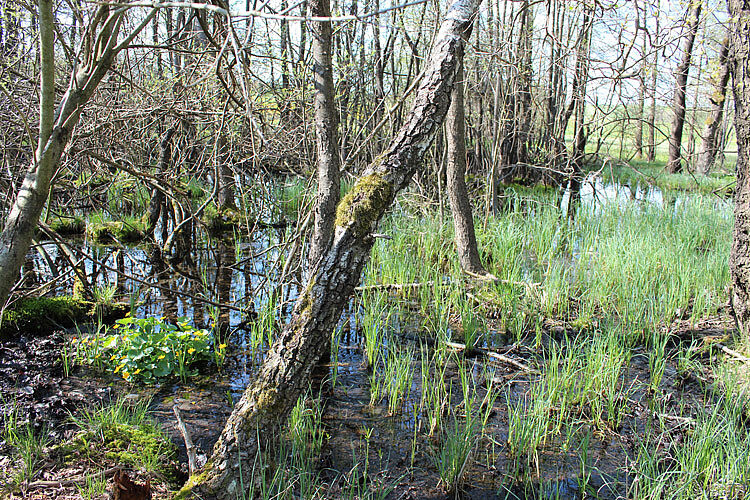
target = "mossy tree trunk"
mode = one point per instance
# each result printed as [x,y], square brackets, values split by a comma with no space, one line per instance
[739,257]
[265,405]
[96,56]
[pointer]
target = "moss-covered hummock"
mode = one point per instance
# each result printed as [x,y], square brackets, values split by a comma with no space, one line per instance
[108,231]
[66,226]
[39,314]
[362,206]
[138,446]
[121,444]
[218,220]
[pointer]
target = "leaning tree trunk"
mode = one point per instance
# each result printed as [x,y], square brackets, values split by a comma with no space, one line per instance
[266,404]
[458,195]
[709,144]
[674,163]
[98,53]
[326,123]
[739,257]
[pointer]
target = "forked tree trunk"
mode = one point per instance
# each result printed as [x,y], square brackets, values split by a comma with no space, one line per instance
[98,53]
[709,144]
[455,138]
[326,138]
[285,373]
[674,163]
[739,257]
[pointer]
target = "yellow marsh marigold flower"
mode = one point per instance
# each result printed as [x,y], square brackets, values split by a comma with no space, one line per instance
[222,346]
[191,350]
[119,367]
[162,356]
[125,375]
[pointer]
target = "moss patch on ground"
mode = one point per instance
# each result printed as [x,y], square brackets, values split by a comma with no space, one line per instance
[120,435]
[39,314]
[66,226]
[142,446]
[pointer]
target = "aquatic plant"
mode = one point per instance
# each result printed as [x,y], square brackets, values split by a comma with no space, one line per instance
[393,380]
[148,349]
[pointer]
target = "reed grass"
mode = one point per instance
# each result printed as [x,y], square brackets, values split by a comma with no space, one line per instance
[711,459]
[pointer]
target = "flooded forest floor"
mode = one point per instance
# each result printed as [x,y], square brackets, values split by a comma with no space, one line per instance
[601,363]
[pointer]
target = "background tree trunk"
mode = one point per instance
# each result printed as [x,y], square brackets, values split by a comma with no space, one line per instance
[739,257]
[455,138]
[651,152]
[157,204]
[709,144]
[638,142]
[674,163]
[224,175]
[326,136]
[266,404]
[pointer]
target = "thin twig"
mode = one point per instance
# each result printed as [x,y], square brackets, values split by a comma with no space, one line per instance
[733,353]
[393,286]
[497,356]
[189,446]
[72,481]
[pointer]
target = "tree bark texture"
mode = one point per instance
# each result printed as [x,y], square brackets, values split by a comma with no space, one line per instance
[97,55]
[674,163]
[266,404]
[739,257]
[326,138]
[458,195]
[710,143]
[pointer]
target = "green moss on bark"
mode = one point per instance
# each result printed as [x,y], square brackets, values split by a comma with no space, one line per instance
[195,480]
[364,204]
